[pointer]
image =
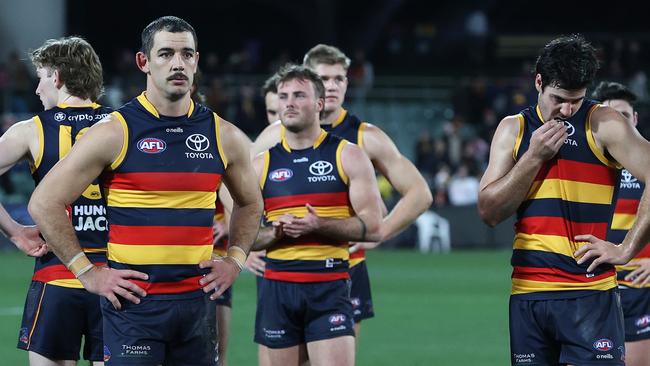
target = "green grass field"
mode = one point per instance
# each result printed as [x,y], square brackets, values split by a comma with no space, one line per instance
[430,310]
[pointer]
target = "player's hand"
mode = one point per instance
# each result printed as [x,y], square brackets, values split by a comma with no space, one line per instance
[29,241]
[600,251]
[356,246]
[302,226]
[255,262]
[547,140]
[641,275]
[223,273]
[219,231]
[110,283]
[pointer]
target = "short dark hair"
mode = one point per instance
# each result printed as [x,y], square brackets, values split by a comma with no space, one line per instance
[292,71]
[325,54]
[608,90]
[568,62]
[168,24]
[270,85]
[77,63]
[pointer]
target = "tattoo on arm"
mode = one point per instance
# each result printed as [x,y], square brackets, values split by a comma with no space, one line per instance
[363,229]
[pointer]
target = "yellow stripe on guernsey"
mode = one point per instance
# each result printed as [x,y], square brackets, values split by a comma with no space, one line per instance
[41,143]
[160,199]
[572,191]
[339,162]
[69,283]
[158,254]
[623,221]
[338,212]
[217,124]
[547,243]
[125,143]
[309,252]
[591,141]
[520,136]
[526,286]
[265,168]
[362,127]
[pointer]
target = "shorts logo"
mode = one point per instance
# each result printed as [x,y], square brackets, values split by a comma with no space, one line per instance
[321,168]
[356,302]
[59,116]
[151,145]
[603,345]
[337,319]
[197,142]
[281,175]
[107,354]
[22,336]
[643,321]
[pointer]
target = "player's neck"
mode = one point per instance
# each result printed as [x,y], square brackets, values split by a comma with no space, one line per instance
[331,117]
[70,100]
[304,138]
[167,107]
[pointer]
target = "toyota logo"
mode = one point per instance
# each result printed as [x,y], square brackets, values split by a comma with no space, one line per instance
[59,116]
[197,142]
[570,130]
[321,168]
[627,177]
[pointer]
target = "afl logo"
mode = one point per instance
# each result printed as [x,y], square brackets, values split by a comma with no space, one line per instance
[59,116]
[603,345]
[281,175]
[643,321]
[151,145]
[627,177]
[197,142]
[337,319]
[321,168]
[570,130]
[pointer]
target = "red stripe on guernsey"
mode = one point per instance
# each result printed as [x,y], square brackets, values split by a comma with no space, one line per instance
[160,235]
[577,172]
[305,276]
[169,181]
[156,288]
[314,199]
[548,225]
[556,275]
[626,206]
[644,253]
[361,253]
[56,272]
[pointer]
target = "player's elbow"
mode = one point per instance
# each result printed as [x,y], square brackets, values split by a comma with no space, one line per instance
[373,230]
[36,205]
[488,214]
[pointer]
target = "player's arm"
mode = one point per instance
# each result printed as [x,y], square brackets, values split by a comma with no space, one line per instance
[364,198]
[267,138]
[268,235]
[624,143]
[97,149]
[16,144]
[241,181]
[403,176]
[505,183]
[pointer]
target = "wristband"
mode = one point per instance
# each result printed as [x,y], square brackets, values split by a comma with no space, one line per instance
[237,254]
[79,264]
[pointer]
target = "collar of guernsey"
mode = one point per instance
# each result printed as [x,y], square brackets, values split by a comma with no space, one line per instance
[290,180]
[161,194]
[572,194]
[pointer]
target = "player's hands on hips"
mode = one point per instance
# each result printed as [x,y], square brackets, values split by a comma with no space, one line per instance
[223,272]
[110,283]
[255,262]
[302,226]
[641,275]
[600,251]
[29,241]
[547,140]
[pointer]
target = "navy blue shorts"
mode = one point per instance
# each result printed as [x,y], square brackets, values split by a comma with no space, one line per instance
[581,331]
[636,311]
[56,318]
[154,332]
[225,299]
[293,313]
[360,293]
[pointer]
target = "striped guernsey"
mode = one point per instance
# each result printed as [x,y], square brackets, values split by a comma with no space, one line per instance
[571,195]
